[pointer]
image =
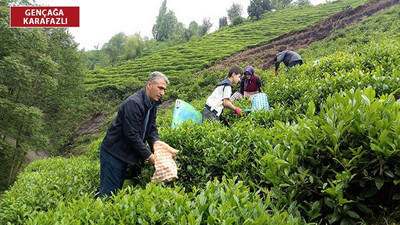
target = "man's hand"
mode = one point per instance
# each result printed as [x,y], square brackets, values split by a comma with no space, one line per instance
[276,72]
[151,159]
[238,111]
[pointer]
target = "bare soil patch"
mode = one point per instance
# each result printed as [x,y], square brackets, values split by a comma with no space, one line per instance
[262,56]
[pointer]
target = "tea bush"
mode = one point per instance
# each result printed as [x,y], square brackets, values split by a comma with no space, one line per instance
[225,202]
[327,152]
[342,159]
[46,183]
[292,90]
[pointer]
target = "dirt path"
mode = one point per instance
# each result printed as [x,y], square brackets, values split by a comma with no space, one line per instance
[303,38]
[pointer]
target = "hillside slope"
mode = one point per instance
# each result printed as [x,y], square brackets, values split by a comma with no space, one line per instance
[179,63]
[262,56]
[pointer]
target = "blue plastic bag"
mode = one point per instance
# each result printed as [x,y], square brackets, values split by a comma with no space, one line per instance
[183,111]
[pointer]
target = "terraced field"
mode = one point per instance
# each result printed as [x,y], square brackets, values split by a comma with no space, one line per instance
[180,63]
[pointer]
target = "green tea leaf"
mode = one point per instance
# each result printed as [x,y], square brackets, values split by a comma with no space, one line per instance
[353,214]
[396,197]
[379,181]
[363,208]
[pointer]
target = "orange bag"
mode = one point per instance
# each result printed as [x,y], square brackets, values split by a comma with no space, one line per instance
[166,169]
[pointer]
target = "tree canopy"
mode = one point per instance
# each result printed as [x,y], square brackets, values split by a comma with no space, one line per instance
[166,24]
[258,7]
[223,21]
[41,87]
[234,11]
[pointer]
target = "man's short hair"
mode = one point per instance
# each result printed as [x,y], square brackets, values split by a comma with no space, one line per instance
[155,75]
[236,70]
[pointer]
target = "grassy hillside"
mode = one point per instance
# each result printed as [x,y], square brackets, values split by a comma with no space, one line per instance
[181,62]
[326,153]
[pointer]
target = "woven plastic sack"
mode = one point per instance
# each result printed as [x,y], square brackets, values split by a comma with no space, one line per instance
[236,96]
[260,102]
[183,111]
[166,169]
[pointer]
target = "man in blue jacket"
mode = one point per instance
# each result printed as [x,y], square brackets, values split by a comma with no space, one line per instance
[124,143]
[289,58]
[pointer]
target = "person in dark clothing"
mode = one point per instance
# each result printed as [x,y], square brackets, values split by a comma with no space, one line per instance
[219,99]
[250,82]
[124,143]
[289,58]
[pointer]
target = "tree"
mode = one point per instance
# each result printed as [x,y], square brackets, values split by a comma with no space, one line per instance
[115,47]
[65,103]
[237,20]
[234,11]
[223,21]
[104,59]
[193,30]
[166,24]
[91,58]
[25,82]
[164,30]
[280,4]
[258,7]
[161,13]
[206,26]
[41,86]
[303,2]
[134,46]
[178,36]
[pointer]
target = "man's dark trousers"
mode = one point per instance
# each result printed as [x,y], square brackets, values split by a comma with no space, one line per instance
[112,173]
[294,63]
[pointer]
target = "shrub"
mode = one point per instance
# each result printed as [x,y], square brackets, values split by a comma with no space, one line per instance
[46,183]
[225,202]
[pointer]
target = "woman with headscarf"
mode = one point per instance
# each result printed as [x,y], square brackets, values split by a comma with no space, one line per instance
[250,83]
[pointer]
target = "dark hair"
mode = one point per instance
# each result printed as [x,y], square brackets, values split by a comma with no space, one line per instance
[236,70]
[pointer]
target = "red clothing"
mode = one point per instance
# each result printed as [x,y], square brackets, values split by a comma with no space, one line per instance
[250,85]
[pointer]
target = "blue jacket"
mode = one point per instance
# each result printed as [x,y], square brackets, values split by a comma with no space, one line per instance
[125,138]
[287,57]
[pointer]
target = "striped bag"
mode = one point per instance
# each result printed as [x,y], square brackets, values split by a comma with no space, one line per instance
[166,169]
[260,102]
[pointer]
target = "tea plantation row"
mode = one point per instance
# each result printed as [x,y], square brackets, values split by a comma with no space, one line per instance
[327,152]
[180,62]
[350,148]
[340,164]
[61,191]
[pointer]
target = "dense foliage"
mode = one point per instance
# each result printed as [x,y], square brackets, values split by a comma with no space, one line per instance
[258,7]
[45,184]
[333,155]
[327,152]
[41,92]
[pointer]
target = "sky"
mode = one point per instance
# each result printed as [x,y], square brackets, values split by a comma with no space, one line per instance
[101,19]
